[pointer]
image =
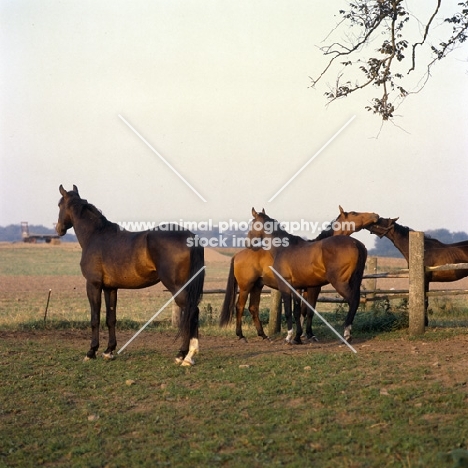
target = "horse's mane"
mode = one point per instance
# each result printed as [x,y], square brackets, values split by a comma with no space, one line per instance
[405,230]
[280,232]
[81,205]
[402,230]
[326,232]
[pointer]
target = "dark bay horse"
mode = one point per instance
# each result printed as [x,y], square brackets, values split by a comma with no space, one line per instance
[435,252]
[113,258]
[250,270]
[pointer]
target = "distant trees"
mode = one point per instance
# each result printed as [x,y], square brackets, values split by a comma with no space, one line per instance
[380,43]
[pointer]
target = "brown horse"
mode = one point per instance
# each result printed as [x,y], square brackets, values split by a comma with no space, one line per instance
[250,270]
[113,258]
[435,252]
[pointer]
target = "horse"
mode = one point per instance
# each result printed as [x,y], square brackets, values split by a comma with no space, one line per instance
[435,252]
[113,258]
[250,270]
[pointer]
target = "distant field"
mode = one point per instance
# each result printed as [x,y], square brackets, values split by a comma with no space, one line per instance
[27,272]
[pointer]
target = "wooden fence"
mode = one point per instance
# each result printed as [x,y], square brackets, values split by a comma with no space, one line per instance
[416,293]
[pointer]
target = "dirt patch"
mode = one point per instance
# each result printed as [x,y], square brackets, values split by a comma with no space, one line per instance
[447,357]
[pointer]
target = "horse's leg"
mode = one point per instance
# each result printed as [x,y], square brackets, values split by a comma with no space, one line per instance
[110,296]
[297,318]
[192,345]
[94,297]
[240,305]
[286,296]
[352,298]
[312,296]
[254,304]
[298,303]
[180,300]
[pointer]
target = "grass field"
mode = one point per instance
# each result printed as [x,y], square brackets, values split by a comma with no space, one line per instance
[398,402]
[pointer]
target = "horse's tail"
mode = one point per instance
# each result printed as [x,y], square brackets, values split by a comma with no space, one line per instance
[189,319]
[229,299]
[356,277]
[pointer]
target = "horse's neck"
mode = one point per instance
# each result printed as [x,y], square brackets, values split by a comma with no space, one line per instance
[400,240]
[86,224]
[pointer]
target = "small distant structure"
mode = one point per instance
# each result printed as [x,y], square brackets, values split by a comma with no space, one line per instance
[34,238]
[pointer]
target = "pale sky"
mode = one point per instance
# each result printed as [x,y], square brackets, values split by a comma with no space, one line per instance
[221,90]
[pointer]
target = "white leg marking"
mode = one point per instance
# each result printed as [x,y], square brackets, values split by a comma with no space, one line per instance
[289,336]
[193,349]
[347,333]
[108,356]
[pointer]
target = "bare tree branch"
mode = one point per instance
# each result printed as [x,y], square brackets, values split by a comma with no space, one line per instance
[390,19]
[426,32]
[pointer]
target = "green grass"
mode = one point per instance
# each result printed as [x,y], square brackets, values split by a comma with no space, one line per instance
[321,409]
[39,260]
[240,405]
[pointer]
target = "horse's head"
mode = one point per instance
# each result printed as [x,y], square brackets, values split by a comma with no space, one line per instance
[382,227]
[259,228]
[65,218]
[348,222]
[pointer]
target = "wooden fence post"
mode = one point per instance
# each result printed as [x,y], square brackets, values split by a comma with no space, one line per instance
[176,311]
[274,324]
[417,294]
[372,282]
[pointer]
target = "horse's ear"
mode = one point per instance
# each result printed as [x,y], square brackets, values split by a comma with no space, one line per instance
[75,189]
[254,213]
[394,220]
[263,210]
[341,209]
[62,191]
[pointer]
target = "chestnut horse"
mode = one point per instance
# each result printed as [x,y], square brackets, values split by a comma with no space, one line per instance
[113,258]
[250,270]
[435,252]
[336,260]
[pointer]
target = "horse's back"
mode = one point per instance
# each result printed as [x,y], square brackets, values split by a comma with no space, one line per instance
[318,263]
[436,255]
[132,260]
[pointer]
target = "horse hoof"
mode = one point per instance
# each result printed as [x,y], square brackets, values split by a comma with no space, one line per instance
[312,339]
[296,342]
[87,358]
[179,360]
[243,339]
[187,363]
[108,356]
